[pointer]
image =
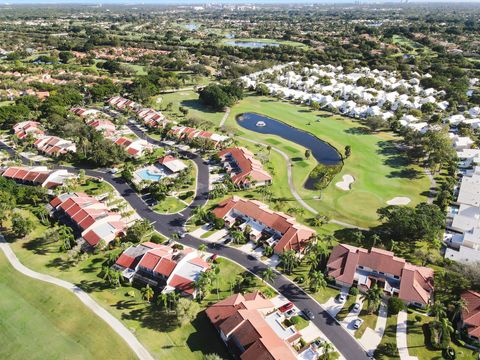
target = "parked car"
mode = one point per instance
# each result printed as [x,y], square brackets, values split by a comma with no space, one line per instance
[309,314]
[290,313]
[227,241]
[356,307]
[285,307]
[342,298]
[357,323]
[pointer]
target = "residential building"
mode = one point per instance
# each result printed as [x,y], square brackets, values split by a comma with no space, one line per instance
[163,266]
[123,103]
[136,147]
[172,164]
[54,145]
[470,316]
[353,266]
[188,133]
[39,175]
[276,229]
[91,218]
[26,128]
[243,168]
[247,329]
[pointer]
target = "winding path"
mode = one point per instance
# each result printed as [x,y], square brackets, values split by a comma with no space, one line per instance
[167,224]
[225,117]
[114,323]
[292,187]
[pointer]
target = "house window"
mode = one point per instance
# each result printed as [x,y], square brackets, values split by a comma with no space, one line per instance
[360,266]
[382,273]
[396,277]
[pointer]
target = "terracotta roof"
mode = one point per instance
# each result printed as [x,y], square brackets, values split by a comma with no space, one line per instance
[182,284]
[250,168]
[295,236]
[471,315]
[126,261]
[415,281]
[166,159]
[165,267]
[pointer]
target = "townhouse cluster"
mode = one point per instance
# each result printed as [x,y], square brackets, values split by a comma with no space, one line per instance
[37,176]
[47,144]
[154,118]
[101,122]
[92,220]
[163,267]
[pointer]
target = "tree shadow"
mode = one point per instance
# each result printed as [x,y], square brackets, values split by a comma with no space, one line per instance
[358,131]
[197,105]
[411,174]
[152,318]
[125,304]
[90,285]
[60,263]
[202,339]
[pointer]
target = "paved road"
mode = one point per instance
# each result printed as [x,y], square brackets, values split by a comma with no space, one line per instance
[174,223]
[114,323]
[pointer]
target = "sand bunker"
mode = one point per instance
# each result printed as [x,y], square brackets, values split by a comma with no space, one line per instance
[399,200]
[346,183]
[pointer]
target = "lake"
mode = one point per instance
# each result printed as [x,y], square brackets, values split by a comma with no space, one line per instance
[250,44]
[323,152]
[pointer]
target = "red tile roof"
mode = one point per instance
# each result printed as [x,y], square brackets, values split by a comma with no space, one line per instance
[415,281]
[250,168]
[126,261]
[295,236]
[182,284]
[471,315]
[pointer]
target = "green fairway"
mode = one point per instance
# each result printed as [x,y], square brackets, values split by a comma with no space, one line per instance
[380,171]
[42,321]
[188,99]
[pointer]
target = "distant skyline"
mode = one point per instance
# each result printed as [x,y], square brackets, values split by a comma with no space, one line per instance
[227,2]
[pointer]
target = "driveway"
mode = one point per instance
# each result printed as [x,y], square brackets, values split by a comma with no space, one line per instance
[114,323]
[372,338]
[402,337]
[332,306]
[347,322]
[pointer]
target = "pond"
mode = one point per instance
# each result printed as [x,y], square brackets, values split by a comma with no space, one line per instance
[323,152]
[251,44]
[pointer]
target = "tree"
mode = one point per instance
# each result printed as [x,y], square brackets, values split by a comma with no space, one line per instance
[202,248]
[308,153]
[328,351]
[21,226]
[373,296]
[395,305]
[437,309]
[212,356]
[348,151]
[262,90]
[438,149]
[289,260]
[139,230]
[267,275]
[374,123]
[316,280]
[238,237]
[186,310]
[319,220]
[147,293]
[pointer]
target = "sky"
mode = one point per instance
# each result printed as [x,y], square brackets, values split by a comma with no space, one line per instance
[187,2]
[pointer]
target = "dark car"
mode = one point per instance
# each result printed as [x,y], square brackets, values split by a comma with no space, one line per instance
[286,307]
[213,257]
[309,314]
[227,241]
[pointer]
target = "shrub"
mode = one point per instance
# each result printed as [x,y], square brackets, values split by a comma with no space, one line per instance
[298,321]
[157,239]
[418,318]
[321,176]
[395,305]
[353,291]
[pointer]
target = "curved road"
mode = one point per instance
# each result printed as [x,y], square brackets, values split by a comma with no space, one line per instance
[174,223]
[114,323]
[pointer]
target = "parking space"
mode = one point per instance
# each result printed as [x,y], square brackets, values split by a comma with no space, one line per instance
[333,305]
[349,320]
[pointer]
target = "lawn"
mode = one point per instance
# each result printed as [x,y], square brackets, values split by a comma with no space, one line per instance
[188,99]
[369,320]
[192,341]
[43,321]
[171,204]
[381,172]
[390,335]
[419,344]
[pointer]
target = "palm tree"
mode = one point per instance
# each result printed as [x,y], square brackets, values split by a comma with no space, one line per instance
[446,329]
[438,310]
[316,280]
[312,260]
[202,248]
[162,300]
[319,220]
[267,275]
[147,293]
[289,260]
[238,237]
[459,306]
[373,296]
[328,350]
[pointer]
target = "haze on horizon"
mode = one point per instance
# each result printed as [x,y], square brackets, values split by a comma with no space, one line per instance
[226,2]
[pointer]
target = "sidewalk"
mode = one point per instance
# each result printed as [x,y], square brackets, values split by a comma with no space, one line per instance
[402,337]
[372,338]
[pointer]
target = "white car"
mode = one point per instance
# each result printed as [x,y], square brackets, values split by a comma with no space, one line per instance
[357,323]
[342,298]
[356,307]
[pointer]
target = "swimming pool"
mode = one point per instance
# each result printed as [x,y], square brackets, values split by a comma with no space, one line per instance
[146,174]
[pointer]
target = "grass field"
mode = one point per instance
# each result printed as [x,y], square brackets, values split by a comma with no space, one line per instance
[188,99]
[192,341]
[390,334]
[171,204]
[42,321]
[381,172]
